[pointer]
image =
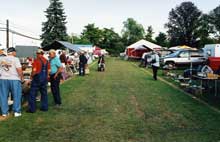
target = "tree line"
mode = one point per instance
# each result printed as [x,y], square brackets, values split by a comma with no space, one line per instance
[187,25]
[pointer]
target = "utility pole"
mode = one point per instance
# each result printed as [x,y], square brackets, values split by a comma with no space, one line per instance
[7,34]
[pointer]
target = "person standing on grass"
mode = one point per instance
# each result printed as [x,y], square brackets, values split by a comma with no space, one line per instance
[82,64]
[56,70]
[63,60]
[39,76]
[11,76]
[155,63]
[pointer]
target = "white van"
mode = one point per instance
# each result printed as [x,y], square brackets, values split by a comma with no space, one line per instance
[212,50]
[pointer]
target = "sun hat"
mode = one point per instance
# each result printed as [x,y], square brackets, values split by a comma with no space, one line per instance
[40,51]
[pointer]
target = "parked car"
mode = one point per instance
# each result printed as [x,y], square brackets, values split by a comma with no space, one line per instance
[184,57]
[164,53]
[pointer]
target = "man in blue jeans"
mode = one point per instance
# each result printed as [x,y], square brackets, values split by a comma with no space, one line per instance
[39,75]
[55,75]
[10,82]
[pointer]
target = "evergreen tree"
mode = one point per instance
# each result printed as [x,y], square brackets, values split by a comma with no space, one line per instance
[54,28]
[149,34]
[161,39]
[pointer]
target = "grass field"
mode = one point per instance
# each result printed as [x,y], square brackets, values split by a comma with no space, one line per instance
[122,104]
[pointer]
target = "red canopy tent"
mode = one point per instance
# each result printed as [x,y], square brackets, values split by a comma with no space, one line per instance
[97,51]
[137,49]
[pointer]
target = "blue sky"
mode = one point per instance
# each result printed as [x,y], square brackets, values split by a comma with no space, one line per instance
[28,15]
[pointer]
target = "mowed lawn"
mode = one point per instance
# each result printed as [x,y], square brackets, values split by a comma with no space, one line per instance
[122,104]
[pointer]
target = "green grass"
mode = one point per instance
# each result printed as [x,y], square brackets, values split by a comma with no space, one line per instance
[122,104]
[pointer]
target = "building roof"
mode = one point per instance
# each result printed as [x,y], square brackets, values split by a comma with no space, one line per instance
[62,45]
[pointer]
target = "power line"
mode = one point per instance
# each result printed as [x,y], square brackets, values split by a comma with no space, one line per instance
[2,21]
[2,24]
[20,34]
[19,27]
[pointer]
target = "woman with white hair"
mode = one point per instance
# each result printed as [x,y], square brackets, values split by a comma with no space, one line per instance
[55,75]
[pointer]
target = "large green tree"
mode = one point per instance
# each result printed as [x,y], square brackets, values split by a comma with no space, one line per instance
[92,33]
[132,31]
[75,39]
[215,21]
[205,30]
[184,24]
[105,38]
[54,28]
[161,39]
[111,41]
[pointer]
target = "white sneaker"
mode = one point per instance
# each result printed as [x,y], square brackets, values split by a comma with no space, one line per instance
[16,114]
[4,115]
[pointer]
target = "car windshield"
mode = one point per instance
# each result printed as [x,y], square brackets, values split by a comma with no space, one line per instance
[173,54]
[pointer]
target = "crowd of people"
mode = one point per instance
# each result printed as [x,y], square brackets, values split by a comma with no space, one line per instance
[44,69]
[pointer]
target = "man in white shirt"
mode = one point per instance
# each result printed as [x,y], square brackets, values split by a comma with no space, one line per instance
[155,64]
[10,81]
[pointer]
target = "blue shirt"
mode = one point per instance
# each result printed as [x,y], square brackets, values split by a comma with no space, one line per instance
[54,65]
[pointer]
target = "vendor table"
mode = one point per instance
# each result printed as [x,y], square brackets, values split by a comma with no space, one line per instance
[207,81]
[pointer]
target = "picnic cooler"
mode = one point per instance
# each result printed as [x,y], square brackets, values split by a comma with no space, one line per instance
[214,63]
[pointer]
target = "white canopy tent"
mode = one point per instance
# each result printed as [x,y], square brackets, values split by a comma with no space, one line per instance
[143,44]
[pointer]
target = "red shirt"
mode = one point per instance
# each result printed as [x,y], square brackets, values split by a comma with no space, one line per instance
[36,66]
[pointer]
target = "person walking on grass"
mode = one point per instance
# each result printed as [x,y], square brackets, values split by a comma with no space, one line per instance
[82,63]
[11,76]
[55,75]
[155,63]
[39,76]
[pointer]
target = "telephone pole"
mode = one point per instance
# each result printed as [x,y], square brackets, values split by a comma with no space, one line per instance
[7,34]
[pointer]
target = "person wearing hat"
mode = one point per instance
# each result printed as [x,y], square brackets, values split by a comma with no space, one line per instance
[2,53]
[11,76]
[55,76]
[39,77]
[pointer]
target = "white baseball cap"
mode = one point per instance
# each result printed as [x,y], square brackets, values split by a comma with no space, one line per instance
[1,47]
